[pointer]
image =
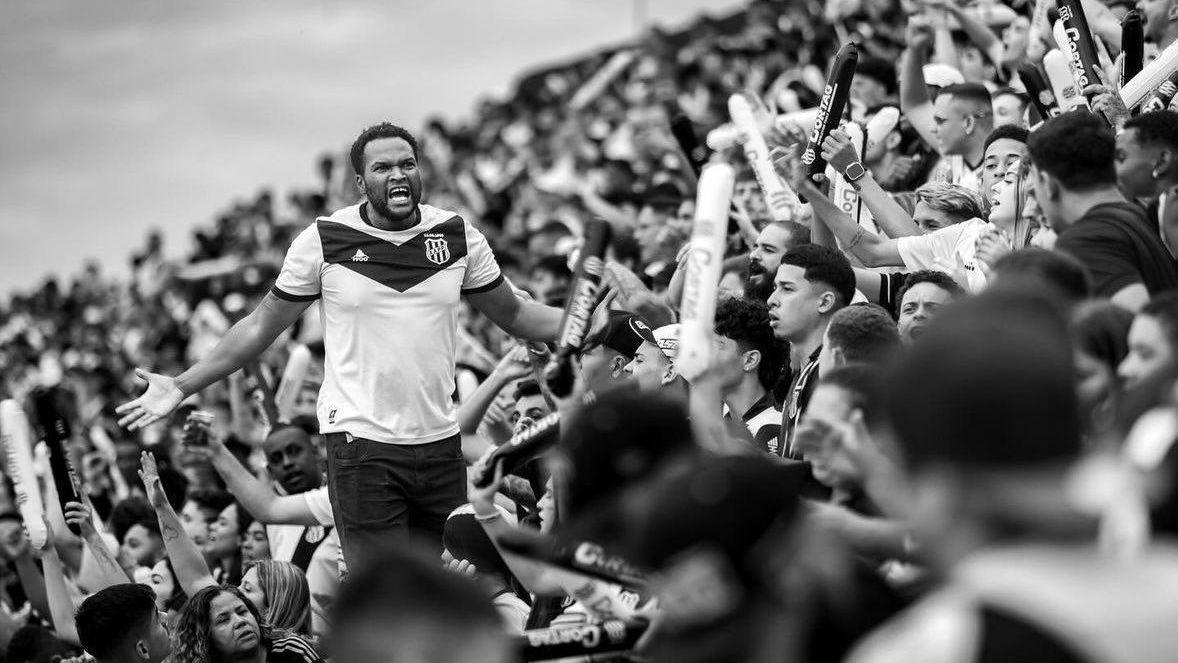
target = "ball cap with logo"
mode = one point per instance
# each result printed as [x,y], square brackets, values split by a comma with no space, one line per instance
[623,332]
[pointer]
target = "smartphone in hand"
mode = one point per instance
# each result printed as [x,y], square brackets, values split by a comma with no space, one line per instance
[196,429]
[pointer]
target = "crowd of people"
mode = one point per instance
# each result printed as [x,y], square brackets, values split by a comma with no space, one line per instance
[935,420]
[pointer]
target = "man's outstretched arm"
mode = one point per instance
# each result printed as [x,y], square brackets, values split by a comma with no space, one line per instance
[522,318]
[244,341]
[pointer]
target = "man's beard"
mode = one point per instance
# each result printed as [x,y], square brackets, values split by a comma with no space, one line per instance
[379,201]
[757,283]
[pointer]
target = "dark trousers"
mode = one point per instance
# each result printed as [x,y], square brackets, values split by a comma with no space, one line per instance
[380,492]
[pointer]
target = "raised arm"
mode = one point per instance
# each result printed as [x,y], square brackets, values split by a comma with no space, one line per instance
[61,601]
[914,98]
[191,570]
[515,365]
[982,37]
[108,571]
[244,341]
[888,214]
[259,499]
[870,248]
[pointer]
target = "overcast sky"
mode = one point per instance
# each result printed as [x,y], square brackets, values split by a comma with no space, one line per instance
[126,114]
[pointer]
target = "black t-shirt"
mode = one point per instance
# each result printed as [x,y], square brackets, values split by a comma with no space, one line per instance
[1119,247]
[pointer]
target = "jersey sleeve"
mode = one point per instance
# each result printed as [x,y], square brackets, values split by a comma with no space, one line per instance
[299,280]
[319,502]
[482,271]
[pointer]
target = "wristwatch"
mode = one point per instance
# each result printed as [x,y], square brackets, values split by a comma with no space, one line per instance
[854,172]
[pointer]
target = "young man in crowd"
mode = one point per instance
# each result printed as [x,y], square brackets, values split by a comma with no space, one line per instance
[607,352]
[813,282]
[1147,168]
[1076,187]
[921,297]
[120,624]
[1005,145]
[385,405]
[957,121]
[743,325]
[858,334]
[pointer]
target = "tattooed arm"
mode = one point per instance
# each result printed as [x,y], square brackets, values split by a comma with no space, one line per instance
[191,570]
[108,571]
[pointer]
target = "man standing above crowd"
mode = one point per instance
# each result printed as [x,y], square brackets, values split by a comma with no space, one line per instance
[813,283]
[390,272]
[1076,187]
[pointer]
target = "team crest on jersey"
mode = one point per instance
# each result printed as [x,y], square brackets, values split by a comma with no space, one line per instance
[315,534]
[437,250]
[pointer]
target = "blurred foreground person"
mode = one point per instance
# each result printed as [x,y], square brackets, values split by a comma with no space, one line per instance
[984,414]
[120,624]
[406,607]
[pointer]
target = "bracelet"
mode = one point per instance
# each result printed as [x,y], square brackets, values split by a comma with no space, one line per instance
[857,238]
[488,518]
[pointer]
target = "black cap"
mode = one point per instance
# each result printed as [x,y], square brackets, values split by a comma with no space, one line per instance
[623,332]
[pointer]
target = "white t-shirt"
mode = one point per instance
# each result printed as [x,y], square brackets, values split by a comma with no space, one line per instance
[952,250]
[389,302]
[323,569]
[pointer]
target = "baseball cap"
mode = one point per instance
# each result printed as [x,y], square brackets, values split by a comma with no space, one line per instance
[667,338]
[623,332]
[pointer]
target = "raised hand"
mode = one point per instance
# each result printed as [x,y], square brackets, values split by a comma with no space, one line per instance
[150,475]
[516,364]
[160,399]
[77,513]
[838,150]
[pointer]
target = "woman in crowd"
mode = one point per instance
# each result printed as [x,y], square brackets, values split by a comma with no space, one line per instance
[225,539]
[220,624]
[279,591]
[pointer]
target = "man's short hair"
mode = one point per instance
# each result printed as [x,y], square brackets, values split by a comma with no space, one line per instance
[401,590]
[975,94]
[526,388]
[1156,127]
[824,265]
[1077,149]
[951,199]
[1034,267]
[1007,132]
[865,333]
[113,616]
[937,278]
[746,321]
[799,233]
[376,132]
